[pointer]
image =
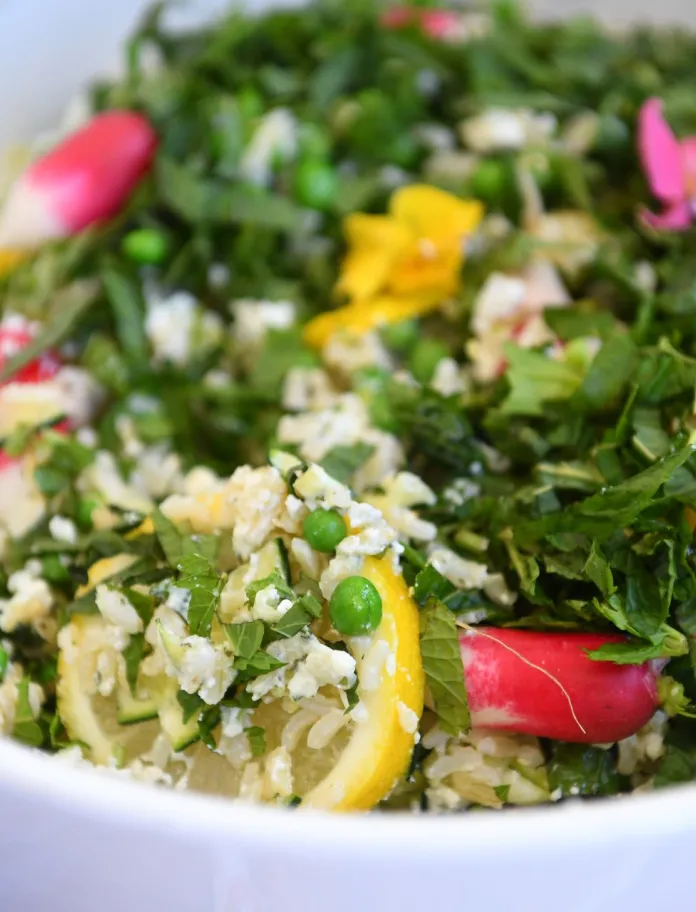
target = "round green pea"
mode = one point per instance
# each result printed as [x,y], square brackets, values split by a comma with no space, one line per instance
[489,180]
[315,184]
[146,245]
[324,530]
[424,358]
[355,607]
[83,513]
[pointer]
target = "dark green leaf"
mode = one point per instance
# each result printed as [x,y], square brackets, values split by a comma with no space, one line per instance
[246,637]
[257,740]
[342,461]
[205,586]
[26,728]
[132,656]
[443,667]
[577,769]
[191,705]
[129,316]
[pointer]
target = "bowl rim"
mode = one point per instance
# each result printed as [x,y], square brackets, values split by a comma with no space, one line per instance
[101,796]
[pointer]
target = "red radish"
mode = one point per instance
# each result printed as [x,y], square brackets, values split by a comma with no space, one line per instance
[83,181]
[436,23]
[545,684]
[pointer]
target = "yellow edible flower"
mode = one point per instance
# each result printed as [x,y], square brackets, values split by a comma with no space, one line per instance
[402,264]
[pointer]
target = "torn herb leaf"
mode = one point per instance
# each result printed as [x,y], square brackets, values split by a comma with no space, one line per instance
[443,667]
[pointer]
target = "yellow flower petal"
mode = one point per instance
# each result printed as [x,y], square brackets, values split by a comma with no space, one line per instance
[374,242]
[427,269]
[9,259]
[361,318]
[432,213]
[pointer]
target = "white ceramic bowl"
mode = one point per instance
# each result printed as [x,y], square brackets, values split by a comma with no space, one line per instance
[87,842]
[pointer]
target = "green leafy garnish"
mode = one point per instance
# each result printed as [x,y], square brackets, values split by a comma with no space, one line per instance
[205,586]
[443,667]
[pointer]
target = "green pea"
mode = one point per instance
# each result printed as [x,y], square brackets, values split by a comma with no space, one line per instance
[400,337]
[424,358]
[146,245]
[324,530]
[355,607]
[83,513]
[490,180]
[315,184]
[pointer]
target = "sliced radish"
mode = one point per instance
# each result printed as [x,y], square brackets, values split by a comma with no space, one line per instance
[545,684]
[84,180]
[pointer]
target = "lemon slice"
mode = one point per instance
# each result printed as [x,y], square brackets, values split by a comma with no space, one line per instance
[88,717]
[353,770]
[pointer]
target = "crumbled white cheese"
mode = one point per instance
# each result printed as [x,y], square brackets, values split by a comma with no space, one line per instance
[63,529]
[268,605]
[448,379]
[347,353]
[318,488]
[408,719]
[248,504]
[254,318]
[203,668]
[30,602]
[103,477]
[178,327]
[307,388]
[462,573]
[501,129]
[178,600]
[274,141]
[115,608]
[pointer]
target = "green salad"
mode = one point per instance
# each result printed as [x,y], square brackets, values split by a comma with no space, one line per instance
[348,412]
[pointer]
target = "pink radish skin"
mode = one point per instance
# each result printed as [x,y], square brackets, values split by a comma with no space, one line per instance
[83,181]
[545,684]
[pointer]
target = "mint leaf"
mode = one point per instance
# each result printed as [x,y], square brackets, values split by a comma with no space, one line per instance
[535,379]
[169,537]
[128,311]
[274,579]
[610,372]
[246,638]
[598,570]
[296,618]
[577,769]
[205,586]
[191,705]
[443,667]
[676,766]
[342,461]
[260,663]
[257,740]
[132,656]
[26,728]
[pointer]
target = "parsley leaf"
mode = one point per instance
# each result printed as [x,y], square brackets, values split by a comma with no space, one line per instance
[191,705]
[257,740]
[246,638]
[205,586]
[444,670]
[535,379]
[296,618]
[577,769]
[26,728]
[132,656]
[274,579]
[342,461]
